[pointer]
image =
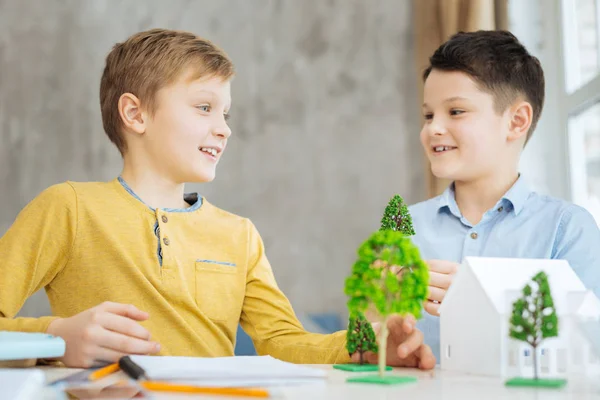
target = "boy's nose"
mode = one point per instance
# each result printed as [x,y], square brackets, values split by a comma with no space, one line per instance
[435,128]
[223,131]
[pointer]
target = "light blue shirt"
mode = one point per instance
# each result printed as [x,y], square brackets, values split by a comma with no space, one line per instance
[523,224]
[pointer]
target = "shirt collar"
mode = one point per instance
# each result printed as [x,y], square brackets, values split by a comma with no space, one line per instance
[193,199]
[448,200]
[517,196]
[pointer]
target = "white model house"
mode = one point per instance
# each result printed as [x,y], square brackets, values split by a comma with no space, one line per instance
[591,330]
[475,314]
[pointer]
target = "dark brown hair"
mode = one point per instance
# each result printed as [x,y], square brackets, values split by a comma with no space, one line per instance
[499,64]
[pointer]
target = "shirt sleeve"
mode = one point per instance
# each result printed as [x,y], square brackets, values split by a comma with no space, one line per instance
[268,318]
[578,242]
[33,251]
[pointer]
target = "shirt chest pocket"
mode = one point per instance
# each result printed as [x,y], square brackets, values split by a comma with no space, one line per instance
[220,289]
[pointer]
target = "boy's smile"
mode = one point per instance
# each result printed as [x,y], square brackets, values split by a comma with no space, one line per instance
[211,152]
[439,149]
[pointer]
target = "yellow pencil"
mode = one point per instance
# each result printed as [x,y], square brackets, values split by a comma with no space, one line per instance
[102,372]
[169,387]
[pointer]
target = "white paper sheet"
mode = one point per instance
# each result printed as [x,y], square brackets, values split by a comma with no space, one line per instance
[254,369]
[21,384]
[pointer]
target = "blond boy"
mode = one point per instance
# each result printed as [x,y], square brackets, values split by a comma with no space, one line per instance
[135,265]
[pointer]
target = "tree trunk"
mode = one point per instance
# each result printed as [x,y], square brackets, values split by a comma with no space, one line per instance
[383,346]
[361,357]
[535,366]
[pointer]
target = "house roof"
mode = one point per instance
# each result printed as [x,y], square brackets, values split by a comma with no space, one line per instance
[503,278]
[585,304]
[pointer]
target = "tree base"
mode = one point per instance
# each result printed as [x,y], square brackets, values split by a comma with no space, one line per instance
[359,368]
[531,382]
[383,380]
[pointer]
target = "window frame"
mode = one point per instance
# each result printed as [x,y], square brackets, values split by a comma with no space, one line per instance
[572,98]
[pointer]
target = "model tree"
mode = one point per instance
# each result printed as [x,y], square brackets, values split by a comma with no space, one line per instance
[360,337]
[374,282]
[534,319]
[396,217]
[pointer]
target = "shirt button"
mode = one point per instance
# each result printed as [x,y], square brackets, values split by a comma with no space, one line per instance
[166,241]
[165,219]
[500,209]
[474,235]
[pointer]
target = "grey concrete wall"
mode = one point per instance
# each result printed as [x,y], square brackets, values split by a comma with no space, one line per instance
[325,118]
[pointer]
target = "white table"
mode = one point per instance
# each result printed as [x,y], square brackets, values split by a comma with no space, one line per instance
[431,385]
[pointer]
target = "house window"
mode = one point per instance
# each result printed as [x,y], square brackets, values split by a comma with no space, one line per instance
[565,36]
[528,358]
[571,60]
[448,351]
[545,361]
[577,357]
[512,357]
[561,360]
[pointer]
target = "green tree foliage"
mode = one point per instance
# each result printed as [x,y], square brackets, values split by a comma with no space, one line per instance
[374,280]
[397,218]
[360,337]
[533,316]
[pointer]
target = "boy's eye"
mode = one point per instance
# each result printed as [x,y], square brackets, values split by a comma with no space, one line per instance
[428,116]
[456,112]
[227,116]
[204,107]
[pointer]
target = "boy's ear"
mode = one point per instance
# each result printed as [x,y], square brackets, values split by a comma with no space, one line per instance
[132,115]
[520,121]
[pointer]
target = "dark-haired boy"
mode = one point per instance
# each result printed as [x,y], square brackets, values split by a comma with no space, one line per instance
[483,96]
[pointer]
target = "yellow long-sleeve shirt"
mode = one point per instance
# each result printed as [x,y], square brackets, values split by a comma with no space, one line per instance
[198,272]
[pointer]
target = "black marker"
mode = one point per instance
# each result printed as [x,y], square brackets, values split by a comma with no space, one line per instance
[132,370]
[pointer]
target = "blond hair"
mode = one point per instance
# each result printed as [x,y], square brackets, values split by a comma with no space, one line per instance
[149,61]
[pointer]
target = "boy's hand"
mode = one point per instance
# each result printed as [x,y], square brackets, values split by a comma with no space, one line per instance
[441,274]
[102,334]
[405,347]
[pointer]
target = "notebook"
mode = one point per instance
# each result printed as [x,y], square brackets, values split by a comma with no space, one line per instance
[21,384]
[24,345]
[228,371]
